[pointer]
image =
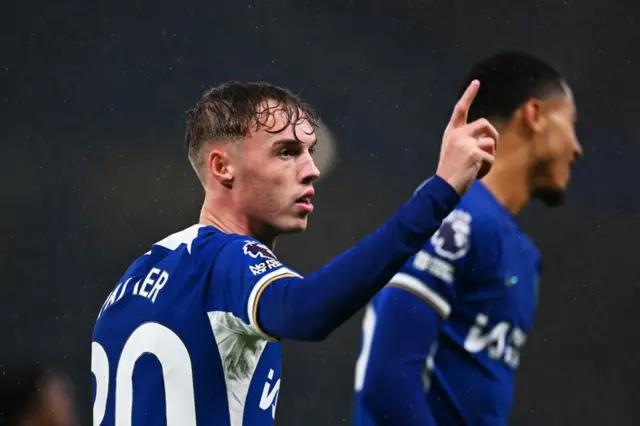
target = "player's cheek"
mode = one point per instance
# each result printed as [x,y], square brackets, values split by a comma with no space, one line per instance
[262,203]
[278,201]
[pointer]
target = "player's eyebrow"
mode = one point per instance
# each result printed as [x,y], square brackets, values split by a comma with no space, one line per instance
[291,141]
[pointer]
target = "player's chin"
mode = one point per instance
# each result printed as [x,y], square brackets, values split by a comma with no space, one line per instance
[295,224]
[551,197]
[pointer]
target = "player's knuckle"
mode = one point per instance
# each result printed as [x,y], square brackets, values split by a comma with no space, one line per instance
[484,123]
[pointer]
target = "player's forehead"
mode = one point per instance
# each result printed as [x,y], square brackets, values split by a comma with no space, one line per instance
[277,121]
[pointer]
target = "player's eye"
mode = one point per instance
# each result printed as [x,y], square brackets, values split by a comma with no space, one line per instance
[285,152]
[312,150]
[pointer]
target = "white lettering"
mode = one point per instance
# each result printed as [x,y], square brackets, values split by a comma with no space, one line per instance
[124,288]
[149,280]
[270,394]
[439,268]
[152,284]
[502,342]
[110,300]
[264,266]
[162,280]
[135,287]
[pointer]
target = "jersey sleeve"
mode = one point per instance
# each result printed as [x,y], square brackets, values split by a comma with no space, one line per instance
[243,269]
[390,373]
[460,253]
[273,300]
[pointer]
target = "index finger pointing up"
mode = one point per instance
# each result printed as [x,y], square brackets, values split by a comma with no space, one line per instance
[461,110]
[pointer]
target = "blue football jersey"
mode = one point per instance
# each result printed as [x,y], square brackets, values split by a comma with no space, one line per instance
[176,343]
[480,273]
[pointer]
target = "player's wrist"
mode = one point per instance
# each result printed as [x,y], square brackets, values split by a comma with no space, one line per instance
[454,181]
[441,188]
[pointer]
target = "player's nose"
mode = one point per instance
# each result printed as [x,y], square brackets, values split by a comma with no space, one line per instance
[309,171]
[578,151]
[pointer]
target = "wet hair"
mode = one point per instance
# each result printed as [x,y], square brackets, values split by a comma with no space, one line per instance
[232,110]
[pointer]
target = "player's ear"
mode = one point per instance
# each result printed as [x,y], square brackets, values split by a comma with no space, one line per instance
[533,116]
[221,168]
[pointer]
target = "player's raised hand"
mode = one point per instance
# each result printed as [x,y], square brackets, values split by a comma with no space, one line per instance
[468,149]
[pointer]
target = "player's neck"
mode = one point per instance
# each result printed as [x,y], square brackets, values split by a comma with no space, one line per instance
[509,183]
[511,192]
[217,213]
[508,179]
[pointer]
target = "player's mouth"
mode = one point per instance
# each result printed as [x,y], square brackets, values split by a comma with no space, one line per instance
[304,202]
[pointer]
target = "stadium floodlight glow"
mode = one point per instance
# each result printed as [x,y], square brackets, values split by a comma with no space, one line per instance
[326,150]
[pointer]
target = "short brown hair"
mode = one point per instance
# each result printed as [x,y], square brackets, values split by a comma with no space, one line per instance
[230,112]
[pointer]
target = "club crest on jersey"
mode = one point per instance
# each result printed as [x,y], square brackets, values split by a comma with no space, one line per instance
[451,241]
[256,250]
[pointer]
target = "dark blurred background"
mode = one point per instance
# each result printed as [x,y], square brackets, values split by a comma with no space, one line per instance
[93,167]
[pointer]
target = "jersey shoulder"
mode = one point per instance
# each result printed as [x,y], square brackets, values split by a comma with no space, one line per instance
[170,265]
[241,271]
[464,252]
[207,245]
[245,261]
[470,233]
[188,247]
[246,255]
[480,204]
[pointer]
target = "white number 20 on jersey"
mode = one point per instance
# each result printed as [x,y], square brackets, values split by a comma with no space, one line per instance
[171,353]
